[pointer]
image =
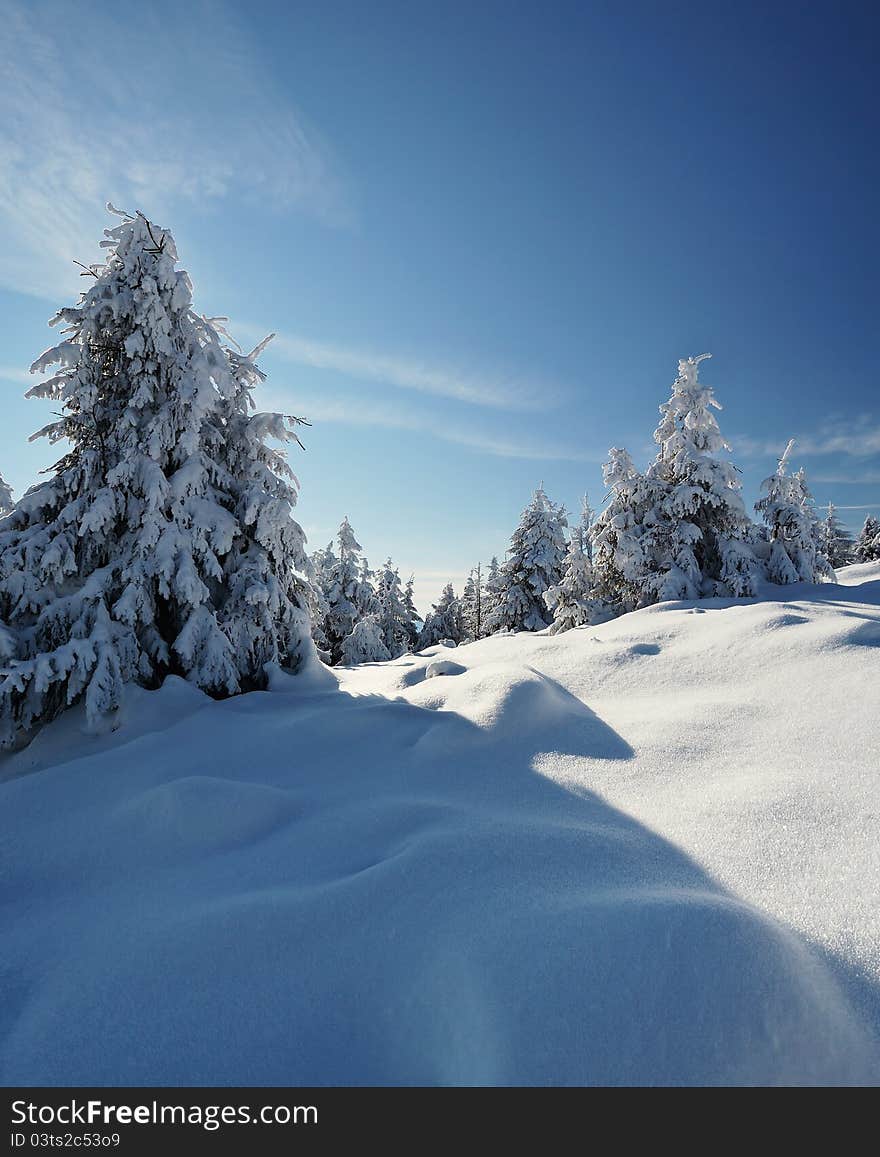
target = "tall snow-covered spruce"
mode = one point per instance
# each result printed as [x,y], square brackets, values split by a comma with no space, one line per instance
[472,612]
[700,534]
[413,615]
[534,565]
[680,530]
[397,615]
[867,546]
[346,596]
[444,622]
[621,563]
[366,643]
[571,599]
[491,591]
[795,531]
[836,541]
[163,542]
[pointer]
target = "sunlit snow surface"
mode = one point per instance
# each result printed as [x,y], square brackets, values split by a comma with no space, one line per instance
[643,852]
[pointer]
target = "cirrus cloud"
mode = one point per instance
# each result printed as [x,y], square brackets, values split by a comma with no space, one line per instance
[92,111]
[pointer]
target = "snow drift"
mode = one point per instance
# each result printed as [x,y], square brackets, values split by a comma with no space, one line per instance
[642,852]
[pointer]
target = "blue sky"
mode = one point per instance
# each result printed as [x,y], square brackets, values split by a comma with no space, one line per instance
[484,233]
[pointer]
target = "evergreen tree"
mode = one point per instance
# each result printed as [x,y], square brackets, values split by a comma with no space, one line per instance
[581,532]
[621,542]
[366,594]
[414,619]
[472,605]
[534,564]
[699,533]
[491,592]
[6,500]
[795,532]
[322,561]
[571,600]
[163,541]
[346,599]
[867,547]
[836,543]
[444,621]
[394,615]
[365,644]
[268,597]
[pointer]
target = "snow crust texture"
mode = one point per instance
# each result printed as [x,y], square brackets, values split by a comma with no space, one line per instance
[640,852]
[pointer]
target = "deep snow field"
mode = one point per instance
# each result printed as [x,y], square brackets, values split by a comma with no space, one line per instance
[642,852]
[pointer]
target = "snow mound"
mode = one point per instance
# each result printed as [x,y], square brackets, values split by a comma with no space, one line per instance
[641,852]
[143,712]
[230,814]
[443,667]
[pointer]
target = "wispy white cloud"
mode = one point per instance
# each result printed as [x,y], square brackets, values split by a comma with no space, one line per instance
[373,412]
[745,446]
[539,451]
[859,478]
[857,438]
[14,374]
[94,109]
[496,390]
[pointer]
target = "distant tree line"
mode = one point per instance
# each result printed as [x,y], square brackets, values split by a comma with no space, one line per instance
[678,530]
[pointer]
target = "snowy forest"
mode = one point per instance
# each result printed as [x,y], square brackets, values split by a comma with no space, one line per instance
[439,559]
[163,541]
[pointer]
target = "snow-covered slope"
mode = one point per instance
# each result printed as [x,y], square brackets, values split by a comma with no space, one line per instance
[640,852]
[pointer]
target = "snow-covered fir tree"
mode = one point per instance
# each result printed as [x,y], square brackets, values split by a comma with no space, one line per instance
[534,564]
[163,540]
[794,530]
[491,590]
[366,597]
[581,530]
[867,547]
[365,644]
[621,565]
[395,617]
[837,543]
[350,593]
[267,596]
[823,568]
[571,600]
[698,534]
[6,500]
[472,605]
[443,621]
[344,595]
[322,561]
[414,619]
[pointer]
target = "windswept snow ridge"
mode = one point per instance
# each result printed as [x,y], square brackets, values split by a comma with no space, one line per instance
[641,852]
